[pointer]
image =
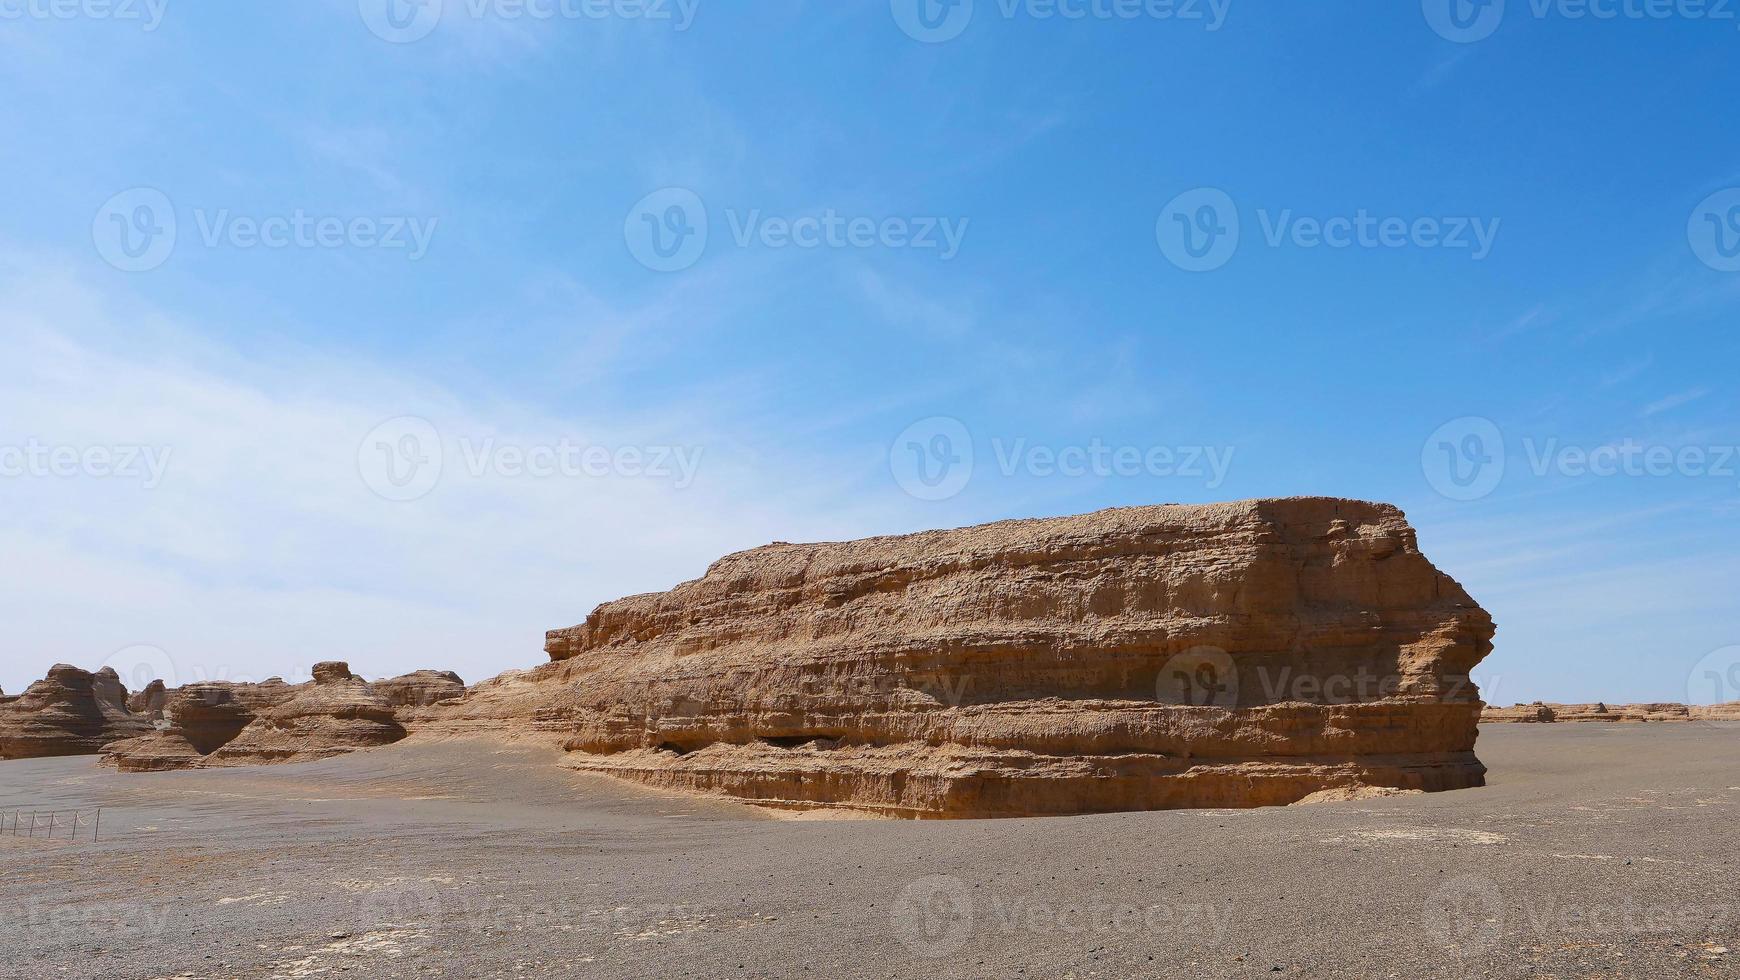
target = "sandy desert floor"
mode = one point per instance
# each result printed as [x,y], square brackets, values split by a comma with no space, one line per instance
[1596,850]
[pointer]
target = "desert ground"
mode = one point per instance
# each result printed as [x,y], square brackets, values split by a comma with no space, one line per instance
[1595,850]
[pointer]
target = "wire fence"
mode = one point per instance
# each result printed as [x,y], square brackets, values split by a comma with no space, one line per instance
[30,823]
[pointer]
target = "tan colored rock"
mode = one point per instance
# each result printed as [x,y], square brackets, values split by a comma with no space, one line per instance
[420,689]
[150,702]
[336,714]
[1240,654]
[199,719]
[1601,711]
[69,712]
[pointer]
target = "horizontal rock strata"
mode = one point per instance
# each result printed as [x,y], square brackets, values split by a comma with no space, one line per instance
[69,712]
[1241,654]
[230,724]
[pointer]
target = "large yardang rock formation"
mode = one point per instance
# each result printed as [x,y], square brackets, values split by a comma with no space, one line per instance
[200,718]
[1240,654]
[69,712]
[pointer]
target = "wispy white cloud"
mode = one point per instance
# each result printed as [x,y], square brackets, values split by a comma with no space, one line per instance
[1673,401]
[264,549]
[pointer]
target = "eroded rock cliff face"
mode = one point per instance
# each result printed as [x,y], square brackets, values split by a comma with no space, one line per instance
[69,712]
[338,713]
[1241,654]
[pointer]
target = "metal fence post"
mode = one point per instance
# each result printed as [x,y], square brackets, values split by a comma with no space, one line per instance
[97,827]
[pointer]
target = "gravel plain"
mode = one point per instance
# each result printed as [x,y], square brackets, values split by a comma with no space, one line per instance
[1596,851]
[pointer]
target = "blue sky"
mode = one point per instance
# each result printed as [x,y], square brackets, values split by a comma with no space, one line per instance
[994,211]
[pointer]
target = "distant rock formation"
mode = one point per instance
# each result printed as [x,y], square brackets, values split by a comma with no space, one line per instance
[149,703]
[226,724]
[1541,712]
[69,712]
[1227,655]
[338,713]
[420,689]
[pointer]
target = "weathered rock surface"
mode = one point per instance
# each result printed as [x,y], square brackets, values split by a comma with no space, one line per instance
[150,702]
[231,724]
[420,689]
[1541,712]
[69,712]
[336,714]
[1241,654]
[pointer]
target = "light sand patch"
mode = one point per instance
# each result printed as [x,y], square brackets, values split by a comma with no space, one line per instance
[1436,835]
[1349,794]
[258,898]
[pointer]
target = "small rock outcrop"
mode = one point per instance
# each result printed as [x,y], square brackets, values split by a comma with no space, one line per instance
[1227,655]
[420,689]
[69,712]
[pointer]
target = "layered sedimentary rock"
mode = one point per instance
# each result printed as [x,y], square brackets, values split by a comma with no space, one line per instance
[150,702]
[1540,712]
[225,724]
[199,719]
[69,712]
[420,689]
[1239,654]
[338,713]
